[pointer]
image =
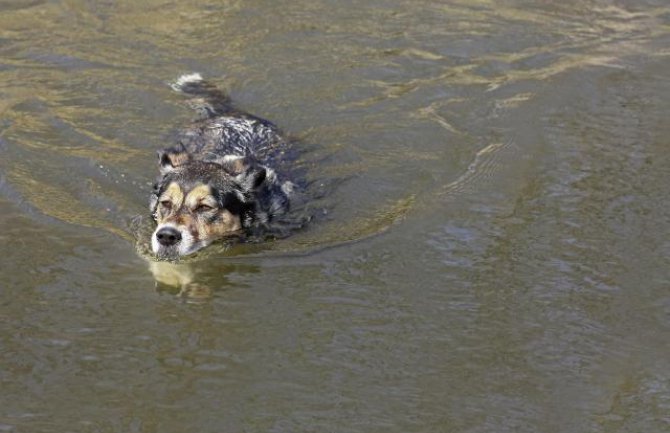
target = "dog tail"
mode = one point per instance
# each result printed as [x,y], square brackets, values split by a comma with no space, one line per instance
[206,98]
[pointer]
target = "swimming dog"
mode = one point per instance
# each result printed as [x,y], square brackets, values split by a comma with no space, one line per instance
[217,181]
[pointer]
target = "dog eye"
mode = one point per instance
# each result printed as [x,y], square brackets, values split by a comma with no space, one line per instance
[166,204]
[203,208]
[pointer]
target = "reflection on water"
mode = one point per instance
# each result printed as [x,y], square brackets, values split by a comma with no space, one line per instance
[488,187]
[194,281]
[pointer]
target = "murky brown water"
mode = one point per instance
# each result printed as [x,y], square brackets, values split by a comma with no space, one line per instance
[491,252]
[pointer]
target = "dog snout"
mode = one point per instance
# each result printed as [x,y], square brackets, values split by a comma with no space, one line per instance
[168,236]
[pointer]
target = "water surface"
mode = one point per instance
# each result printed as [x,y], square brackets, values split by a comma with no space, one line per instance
[490,248]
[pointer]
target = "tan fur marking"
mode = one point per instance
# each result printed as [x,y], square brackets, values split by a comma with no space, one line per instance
[175,196]
[173,193]
[236,166]
[227,224]
[200,194]
[178,158]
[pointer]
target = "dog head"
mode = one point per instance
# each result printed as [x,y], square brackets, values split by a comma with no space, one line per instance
[196,202]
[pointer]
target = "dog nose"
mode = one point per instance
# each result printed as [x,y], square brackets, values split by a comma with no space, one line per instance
[168,236]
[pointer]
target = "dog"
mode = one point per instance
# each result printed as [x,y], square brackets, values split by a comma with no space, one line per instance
[216,182]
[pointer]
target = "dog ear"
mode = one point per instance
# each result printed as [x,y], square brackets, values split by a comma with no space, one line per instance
[246,171]
[169,159]
[249,174]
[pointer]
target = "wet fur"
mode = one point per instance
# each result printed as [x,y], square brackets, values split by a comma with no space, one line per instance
[217,181]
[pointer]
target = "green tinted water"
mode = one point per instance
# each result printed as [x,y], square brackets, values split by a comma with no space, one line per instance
[490,252]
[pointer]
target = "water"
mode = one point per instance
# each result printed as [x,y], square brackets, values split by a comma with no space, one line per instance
[489,252]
